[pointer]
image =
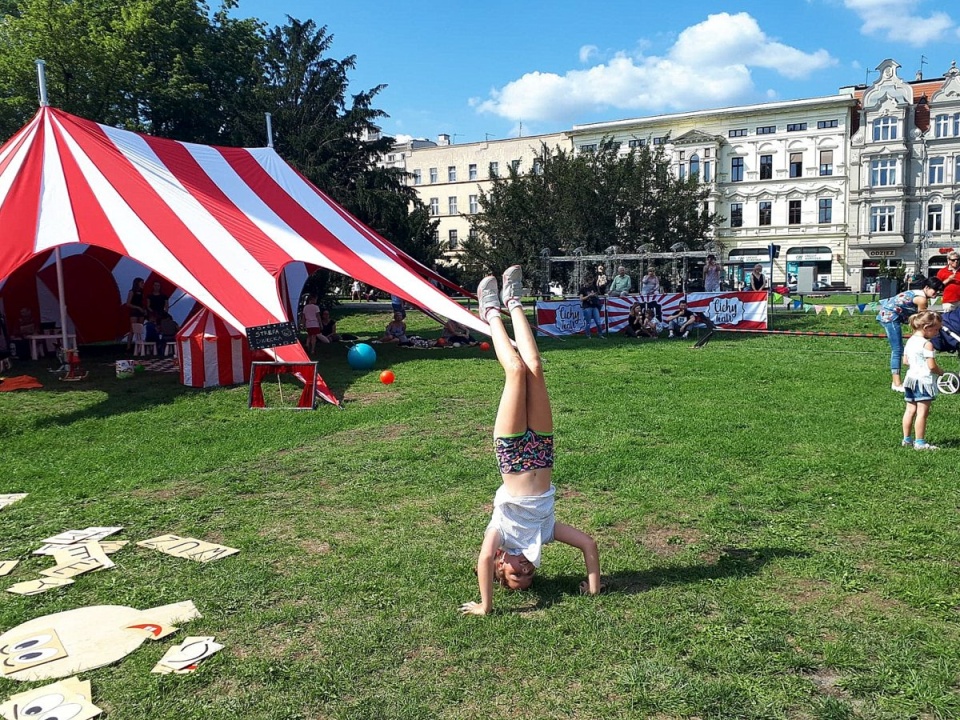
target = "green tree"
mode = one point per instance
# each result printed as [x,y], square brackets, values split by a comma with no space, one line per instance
[586,200]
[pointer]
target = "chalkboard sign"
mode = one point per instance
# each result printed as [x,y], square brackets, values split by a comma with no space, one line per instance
[270,336]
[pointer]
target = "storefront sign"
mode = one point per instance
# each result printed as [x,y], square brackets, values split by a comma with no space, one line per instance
[881,253]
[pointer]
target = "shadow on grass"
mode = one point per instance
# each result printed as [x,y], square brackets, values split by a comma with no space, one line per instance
[733,562]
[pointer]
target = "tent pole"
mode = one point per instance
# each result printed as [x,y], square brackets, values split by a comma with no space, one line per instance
[269,130]
[63,299]
[42,81]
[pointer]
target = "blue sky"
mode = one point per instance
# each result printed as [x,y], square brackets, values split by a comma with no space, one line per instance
[498,69]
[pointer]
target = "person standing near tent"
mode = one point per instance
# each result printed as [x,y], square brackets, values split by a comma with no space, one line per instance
[157,303]
[523,508]
[136,305]
[311,321]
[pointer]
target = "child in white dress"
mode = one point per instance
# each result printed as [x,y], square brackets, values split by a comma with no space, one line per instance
[920,384]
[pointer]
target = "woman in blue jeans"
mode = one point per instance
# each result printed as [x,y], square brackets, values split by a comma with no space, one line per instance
[896,310]
[591,303]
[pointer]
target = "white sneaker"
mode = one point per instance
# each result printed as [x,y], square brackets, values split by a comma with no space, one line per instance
[512,283]
[917,445]
[487,295]
[896,388]
[671,334]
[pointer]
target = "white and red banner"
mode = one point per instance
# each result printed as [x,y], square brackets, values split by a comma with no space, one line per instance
[727,310]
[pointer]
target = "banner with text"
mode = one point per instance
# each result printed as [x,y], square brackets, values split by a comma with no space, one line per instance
[727,310]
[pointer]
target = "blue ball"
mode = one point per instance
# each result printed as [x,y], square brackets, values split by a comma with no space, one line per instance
[361,357]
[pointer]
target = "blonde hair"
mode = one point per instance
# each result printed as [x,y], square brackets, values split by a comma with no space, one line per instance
[923,320]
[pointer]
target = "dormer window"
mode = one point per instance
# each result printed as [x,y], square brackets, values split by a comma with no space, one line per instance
[884,128]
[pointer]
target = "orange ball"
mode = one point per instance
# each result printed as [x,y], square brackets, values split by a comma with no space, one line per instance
[441,342]
[387,377]
[484,345]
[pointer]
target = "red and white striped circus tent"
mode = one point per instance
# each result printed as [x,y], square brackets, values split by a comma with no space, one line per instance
[212,353]
[218,223]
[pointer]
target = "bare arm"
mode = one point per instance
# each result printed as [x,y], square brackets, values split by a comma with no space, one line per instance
[932,361]
[591,554]
[920,301]
[488,552]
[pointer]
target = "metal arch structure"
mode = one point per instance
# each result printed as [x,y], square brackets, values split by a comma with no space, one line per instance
[678,259]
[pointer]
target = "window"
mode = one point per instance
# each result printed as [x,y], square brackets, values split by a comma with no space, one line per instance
[739,132]
[473,204]
[956,124]
[537,166]
[941,126]
[452,205]
[417,177]
[681,155]
[434,206]
[825,214]
[884,128]
[824,124]
[682,171]
[934,218]
[515,165]
[636,143]
[766,167]
[956,216]
[472,171]
[452,173]
[796,165]
[494,169]
[766,212]
[706,171]
[736,214]
[883,172]
[793,212]
[881,218]
[796,127]
[706,152]
[694,165]
[436,236]
[472,234]
[433,175]
[936,171]
[767,130]
[452,237]
[826,162]
[592,148]
[660,140]
[736,169]
[956,170]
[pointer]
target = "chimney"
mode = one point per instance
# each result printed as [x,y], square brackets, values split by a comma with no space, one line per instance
[921,114]
[443,139]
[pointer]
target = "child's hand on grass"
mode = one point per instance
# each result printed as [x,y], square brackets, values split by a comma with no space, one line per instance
[472,608]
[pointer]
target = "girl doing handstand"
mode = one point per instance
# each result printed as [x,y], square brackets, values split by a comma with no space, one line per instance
[523,518]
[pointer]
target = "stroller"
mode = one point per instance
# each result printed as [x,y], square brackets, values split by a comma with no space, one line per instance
[948,341]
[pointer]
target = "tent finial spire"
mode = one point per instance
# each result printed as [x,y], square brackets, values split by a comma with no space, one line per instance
[42,80]
[269,130]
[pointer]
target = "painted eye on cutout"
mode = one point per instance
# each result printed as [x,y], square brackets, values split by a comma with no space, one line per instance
[34,655]
[30,642]
[63,712]
[41,705]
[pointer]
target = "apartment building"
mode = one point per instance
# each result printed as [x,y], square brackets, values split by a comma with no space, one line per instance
[449,178]
[840,182]
[905,174]
[776,173]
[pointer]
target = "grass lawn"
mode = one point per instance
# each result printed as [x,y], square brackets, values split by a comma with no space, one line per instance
[771,550]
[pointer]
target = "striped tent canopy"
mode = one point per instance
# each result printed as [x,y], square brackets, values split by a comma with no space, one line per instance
[219,223]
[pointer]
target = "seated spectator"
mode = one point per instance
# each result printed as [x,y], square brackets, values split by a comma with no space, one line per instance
[454,332]
[168,332]
[635,320]
[396,331]
[328,328]
[621,283]
[684,319]
[651,326]
[650,283]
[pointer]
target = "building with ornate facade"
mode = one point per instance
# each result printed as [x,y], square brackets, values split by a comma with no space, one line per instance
[839,182]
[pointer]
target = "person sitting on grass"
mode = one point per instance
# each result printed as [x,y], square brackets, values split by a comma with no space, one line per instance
[651,326]
[523,508]
[684,319]
[635,320]
[454,332]
[328,328]
[396,331]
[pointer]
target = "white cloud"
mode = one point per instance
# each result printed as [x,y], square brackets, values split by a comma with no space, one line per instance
[899,21]
[587,52]
[708,65]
